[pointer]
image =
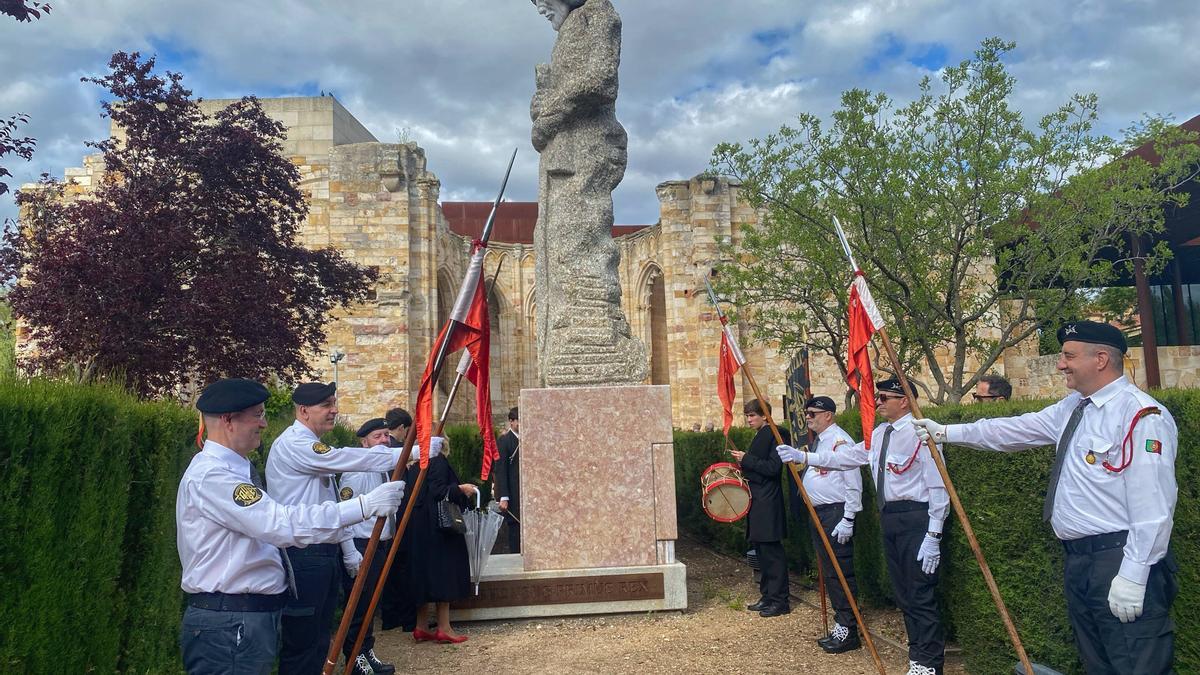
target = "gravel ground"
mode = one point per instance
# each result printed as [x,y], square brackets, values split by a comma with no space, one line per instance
[715,634]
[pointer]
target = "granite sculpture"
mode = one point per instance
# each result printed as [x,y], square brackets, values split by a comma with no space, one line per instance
[583,337]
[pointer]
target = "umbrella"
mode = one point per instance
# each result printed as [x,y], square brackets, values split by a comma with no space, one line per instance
[482,527]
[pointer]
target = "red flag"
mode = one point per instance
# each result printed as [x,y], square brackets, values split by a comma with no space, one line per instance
[865,320]
[730,361]
[473,334]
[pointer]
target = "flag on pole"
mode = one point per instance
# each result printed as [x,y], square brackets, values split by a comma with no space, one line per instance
[473,334]
[864,320]
[730,361]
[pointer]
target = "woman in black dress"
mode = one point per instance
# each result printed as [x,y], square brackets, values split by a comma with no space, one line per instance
[438,568]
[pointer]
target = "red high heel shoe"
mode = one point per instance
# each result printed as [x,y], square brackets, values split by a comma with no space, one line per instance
[423,635]
[444,639]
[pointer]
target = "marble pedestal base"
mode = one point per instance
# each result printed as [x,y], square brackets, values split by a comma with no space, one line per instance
[597,477]
[507,591]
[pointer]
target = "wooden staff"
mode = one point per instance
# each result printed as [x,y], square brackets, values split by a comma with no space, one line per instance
[812,512]
[387,565]
[360,580]
[941,467]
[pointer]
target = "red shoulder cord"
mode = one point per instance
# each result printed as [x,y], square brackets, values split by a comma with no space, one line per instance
[897,470]
[1127,443]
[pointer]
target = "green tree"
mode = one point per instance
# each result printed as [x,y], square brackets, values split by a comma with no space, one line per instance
[974,229]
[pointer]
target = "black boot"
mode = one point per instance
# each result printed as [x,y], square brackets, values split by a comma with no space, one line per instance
[775,609]
[758,606]
[378,666]
[842,639]
[361,667]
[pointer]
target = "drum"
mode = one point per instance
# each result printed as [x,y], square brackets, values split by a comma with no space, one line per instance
[727,500]
[718,471]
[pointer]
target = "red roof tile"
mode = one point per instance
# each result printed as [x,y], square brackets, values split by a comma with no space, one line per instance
[514,221]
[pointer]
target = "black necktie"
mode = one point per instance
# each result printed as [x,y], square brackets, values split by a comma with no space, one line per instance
[1060,456]
[881,471]
[257,479]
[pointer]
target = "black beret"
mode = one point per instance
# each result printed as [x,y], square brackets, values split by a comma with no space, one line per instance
[373,424]
[1093,332]
[231,395]
[821,403]
[892,386]
[312,393]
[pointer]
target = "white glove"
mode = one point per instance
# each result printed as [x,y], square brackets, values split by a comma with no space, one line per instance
[1125,599]
[926,428]
[351,558]
[789,454]
[930,554]
[383,500]
[844,530]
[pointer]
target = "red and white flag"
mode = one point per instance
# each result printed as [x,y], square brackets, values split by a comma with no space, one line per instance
[473,334]
[865,320]
[730,361]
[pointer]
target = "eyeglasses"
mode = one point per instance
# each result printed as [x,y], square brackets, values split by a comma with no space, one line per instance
[984,397]
[811,413]
[260,416]
[885,397]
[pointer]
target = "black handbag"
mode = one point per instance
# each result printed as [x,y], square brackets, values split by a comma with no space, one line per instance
[450,517]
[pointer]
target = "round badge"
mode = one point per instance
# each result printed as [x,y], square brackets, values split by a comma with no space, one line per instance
[345,494]
[246,494]
[1090,458]
[320,448]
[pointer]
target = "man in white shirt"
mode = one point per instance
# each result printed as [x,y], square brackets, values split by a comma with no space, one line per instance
[837,498]
[372,433]
[300,470]
[913,503]
[228,530]
[1110,500]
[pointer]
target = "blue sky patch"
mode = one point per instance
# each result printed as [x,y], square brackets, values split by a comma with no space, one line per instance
[889,49]
[930,56]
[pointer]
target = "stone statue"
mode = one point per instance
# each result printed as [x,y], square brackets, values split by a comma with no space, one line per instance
[582,335]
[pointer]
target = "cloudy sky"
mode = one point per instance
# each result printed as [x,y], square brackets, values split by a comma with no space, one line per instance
[457,76]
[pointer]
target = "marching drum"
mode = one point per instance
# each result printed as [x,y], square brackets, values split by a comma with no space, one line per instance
[726,497]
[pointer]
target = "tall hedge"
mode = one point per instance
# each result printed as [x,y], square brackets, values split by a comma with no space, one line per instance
[1002,494]
[87,487]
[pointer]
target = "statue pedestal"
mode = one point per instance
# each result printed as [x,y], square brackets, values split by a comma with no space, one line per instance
[597,509]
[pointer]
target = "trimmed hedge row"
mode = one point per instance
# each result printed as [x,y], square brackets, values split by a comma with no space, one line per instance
[87,487]
[1002,494]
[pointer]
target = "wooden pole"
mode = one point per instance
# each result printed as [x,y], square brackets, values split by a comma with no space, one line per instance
[403,524]
[439,362]
[812,513]
[958,508]
[807,394]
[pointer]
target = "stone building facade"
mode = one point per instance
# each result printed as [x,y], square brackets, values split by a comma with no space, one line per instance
[379,204]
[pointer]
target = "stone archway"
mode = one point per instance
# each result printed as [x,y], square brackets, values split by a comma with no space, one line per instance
[653,303]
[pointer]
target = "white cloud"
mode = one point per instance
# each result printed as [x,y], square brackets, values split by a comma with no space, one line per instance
[458,75]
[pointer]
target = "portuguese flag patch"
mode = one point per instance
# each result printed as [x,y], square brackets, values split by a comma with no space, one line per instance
[1154,446]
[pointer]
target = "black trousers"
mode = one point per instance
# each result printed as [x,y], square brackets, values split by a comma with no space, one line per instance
[904,525]
[396,609]
[364,601]
[772,564]
[307,621]
[514,533]
[831,515]
[1107,646]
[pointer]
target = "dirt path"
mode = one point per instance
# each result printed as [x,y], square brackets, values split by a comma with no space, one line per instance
[715,634]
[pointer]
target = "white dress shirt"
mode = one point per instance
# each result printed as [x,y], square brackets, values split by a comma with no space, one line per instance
[358,483]
[912,474]
[1092,499]
[228,531]
[300,468]
[831,486]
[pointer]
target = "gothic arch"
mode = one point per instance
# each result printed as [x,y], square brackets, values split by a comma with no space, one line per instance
[652,307]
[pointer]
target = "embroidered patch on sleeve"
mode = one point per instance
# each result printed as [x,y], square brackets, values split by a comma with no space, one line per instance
[320,448]
[246,494]
[1153,446]
[345,494]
